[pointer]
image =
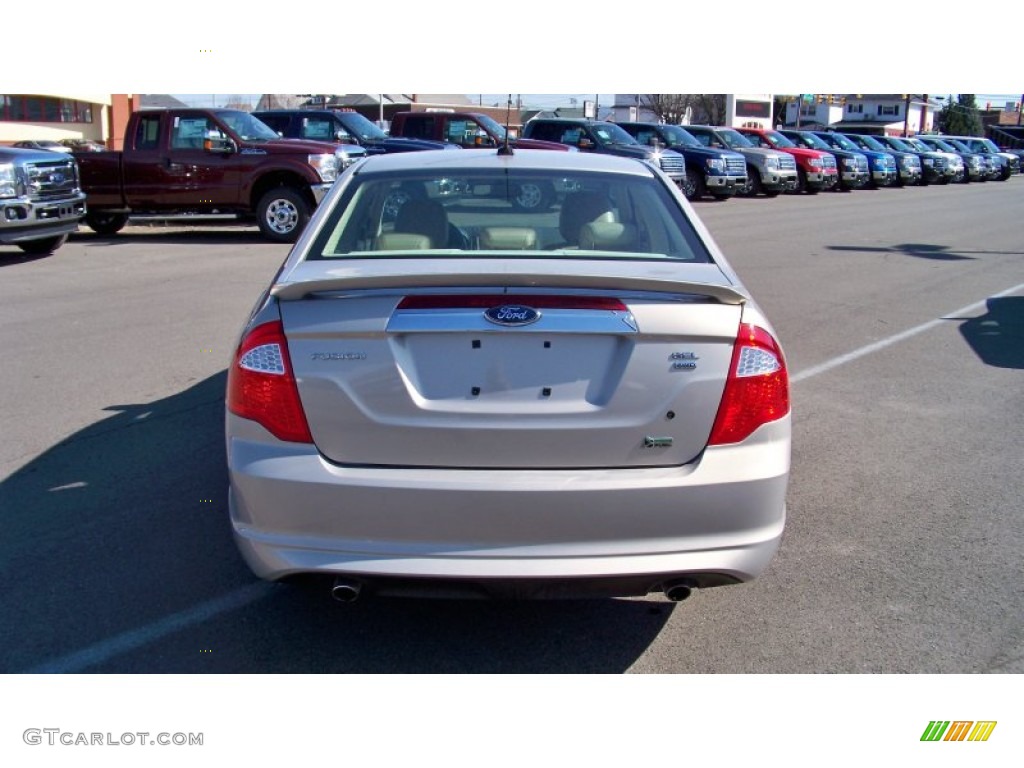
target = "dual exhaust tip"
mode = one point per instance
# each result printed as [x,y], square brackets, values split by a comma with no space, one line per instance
[348,590]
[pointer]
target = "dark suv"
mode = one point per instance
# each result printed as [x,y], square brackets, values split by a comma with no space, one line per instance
[605,138]
[720,173]
[342,127]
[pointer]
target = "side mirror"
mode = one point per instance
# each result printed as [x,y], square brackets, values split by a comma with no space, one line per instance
[219,145]
[585,143]
[343,138]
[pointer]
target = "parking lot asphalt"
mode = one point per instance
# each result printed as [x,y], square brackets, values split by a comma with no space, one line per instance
[902,316]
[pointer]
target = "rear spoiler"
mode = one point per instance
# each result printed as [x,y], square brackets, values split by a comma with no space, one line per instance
[356,280]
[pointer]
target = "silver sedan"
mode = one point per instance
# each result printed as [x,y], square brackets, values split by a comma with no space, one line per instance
[443,394]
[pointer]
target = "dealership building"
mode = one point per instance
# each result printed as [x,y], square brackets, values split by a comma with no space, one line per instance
[97,117]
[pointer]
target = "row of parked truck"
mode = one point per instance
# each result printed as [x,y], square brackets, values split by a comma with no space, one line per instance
[275,166]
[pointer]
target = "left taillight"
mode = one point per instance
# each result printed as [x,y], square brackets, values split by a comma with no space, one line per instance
[757,390]
[261,385]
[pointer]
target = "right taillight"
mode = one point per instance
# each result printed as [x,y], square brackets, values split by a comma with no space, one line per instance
[757,390]
[261,386]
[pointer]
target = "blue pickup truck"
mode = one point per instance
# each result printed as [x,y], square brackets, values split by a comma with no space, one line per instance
[343,127]
[720,173]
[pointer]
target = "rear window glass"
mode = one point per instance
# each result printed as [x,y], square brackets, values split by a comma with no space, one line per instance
[490,213]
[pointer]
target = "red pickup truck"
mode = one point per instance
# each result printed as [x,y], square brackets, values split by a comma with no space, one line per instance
[205,161]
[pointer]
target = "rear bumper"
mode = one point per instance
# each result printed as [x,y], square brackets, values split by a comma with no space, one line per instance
[717,520]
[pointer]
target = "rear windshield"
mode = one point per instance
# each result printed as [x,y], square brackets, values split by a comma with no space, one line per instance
[482,213]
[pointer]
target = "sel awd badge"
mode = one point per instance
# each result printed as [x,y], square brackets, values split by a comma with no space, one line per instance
[512,314]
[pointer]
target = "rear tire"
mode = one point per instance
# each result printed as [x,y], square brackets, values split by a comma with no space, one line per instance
[282,214]
[105,223]
[45,246]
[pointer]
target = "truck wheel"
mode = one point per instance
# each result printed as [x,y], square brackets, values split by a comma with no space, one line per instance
[106,223]
[754,182]
[282,214]
[694,186]
[44,246]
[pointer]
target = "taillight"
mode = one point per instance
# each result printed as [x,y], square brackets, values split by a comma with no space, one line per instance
[261,385]
[757,390]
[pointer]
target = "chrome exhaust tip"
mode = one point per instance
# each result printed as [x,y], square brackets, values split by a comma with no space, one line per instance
[677,591]
[346,590]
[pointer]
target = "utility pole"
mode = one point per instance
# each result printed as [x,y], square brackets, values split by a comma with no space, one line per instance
[799,107]
[906,115]
[924,112]
[1020,108]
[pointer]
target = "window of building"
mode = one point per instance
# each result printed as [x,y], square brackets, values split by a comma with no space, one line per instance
[43,109]
[855,109]
[889,109]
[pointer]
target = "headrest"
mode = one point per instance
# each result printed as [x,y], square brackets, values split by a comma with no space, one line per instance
[508,238]
[580,208]
[607,236]
[401,241]
[424,217]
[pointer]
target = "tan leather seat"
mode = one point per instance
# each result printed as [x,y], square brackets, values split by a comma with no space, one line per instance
[581,208]
[508,239]
[424,217]
[607,236]
[401,241]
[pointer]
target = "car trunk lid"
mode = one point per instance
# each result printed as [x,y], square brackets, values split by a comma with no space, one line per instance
[477,366]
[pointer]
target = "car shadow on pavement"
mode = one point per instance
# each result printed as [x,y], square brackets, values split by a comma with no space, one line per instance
[117,556]
[182,235]
[15,257]
[997,337]
[919,250]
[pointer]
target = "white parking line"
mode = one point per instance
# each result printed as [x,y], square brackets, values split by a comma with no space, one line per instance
[136,638]
[239,598]
[835,362]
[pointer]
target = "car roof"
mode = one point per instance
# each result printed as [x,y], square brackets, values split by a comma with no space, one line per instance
[436,160]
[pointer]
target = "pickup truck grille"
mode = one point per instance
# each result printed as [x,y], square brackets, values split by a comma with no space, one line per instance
[862,163]
[672,163]
[828,161]
[787,163]
[736,166]
[940,164]
[51,179]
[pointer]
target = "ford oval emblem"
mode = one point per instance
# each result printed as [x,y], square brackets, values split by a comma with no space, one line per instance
[512,314]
